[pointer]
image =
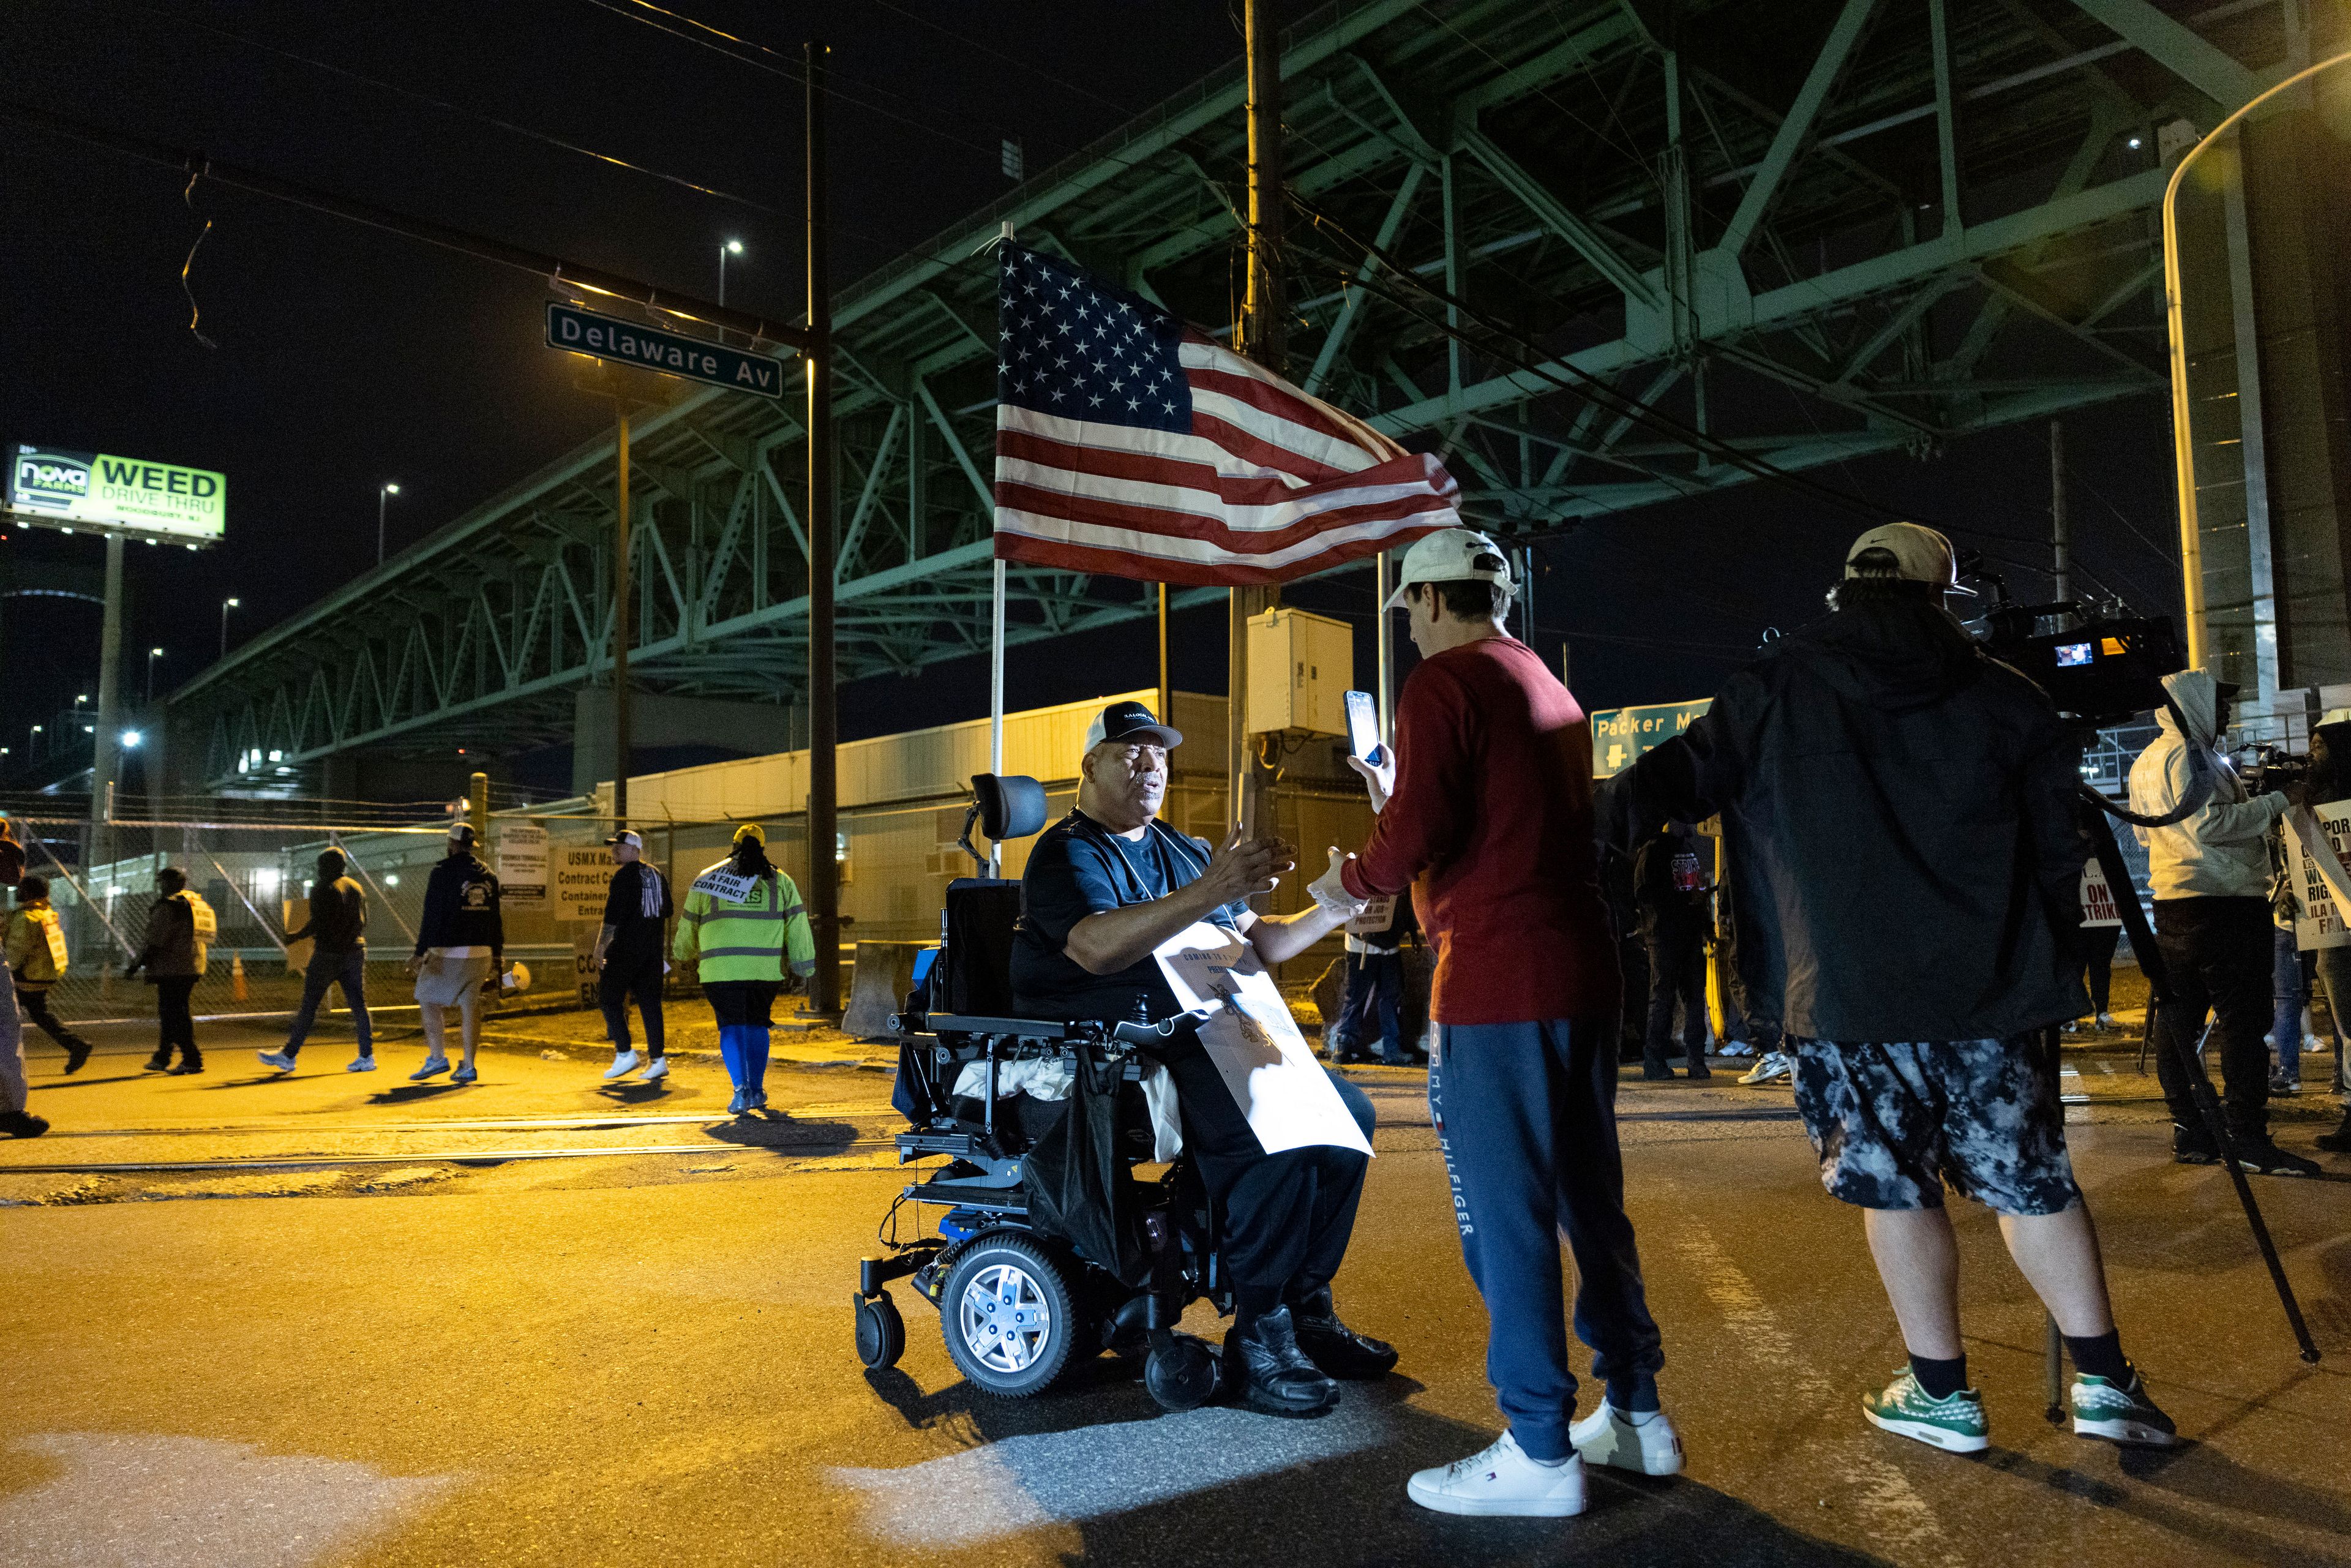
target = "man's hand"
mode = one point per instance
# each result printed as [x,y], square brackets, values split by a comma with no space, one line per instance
[1330,893]
[1242,867]
[1379,778]
[416,963]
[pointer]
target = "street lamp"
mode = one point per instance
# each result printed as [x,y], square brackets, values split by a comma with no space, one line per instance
[79,698]
[30,740]
[381,491]
[130,738]
[152,654]
[226,605]
[732,247]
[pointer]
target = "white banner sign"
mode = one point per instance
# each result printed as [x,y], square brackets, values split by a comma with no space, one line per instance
[719,883]
[522,865]
[2311,832]
[1264,1062]
[1374,920]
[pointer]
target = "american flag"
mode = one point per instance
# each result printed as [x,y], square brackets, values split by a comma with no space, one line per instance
[1131,445]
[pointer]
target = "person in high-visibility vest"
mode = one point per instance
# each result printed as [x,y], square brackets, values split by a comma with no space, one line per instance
[746,931]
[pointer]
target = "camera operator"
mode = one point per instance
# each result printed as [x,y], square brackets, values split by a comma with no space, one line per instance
[1898,813]
[2209,872]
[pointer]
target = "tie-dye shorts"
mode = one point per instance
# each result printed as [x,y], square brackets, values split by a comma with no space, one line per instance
[1893,1122]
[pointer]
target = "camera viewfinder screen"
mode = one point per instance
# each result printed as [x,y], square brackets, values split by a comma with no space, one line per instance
[2070,653]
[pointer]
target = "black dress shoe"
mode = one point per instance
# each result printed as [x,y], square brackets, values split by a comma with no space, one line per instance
[1271,1373]
[23,1123]
[76,1054]
[1336,1348]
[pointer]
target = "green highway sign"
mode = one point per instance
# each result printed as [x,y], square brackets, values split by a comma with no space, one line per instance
[1621,735]
[647,348]
[48,486]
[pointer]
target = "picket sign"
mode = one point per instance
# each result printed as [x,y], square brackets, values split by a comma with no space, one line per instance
[2097,897]
[2322,887]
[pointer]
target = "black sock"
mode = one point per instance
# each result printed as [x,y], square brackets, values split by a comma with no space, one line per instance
[1251,1302]
[2100,1355]
[1634,1395]
[1940,1379]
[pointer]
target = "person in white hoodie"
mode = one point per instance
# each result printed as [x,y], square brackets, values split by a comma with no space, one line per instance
[2209,872]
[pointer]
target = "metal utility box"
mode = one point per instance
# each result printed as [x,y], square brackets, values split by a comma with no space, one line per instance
[1299,668]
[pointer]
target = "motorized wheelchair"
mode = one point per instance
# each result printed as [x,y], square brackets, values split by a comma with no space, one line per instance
[1020,1302]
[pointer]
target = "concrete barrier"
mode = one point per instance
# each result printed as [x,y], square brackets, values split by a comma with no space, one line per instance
[878,983]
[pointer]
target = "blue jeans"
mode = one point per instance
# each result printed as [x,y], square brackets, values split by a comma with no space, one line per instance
[1526,1117]
[2290,990]
[348,970]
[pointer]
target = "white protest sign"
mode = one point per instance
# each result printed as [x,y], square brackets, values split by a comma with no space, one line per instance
[522,865]
[2310,832]
[1375,918]
[2097,897]
[1249,1035]
[583,874]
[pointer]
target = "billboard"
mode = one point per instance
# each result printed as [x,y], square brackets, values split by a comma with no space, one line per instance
[117,495]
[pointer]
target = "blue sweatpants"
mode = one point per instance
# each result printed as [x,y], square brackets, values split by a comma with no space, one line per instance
[1526,1117]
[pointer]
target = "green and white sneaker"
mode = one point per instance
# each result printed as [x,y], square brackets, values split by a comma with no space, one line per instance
[1955,1425]
[2120,1412]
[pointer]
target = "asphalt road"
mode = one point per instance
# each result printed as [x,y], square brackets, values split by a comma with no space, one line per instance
[419,1325]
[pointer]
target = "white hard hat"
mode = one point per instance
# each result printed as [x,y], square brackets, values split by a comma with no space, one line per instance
[1452,555]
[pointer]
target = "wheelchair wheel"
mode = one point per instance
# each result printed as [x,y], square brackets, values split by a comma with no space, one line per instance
[1008,1315]
[881,1331]
[1182,1374]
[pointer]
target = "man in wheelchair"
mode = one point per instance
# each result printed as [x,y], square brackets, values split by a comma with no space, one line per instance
[1104,887]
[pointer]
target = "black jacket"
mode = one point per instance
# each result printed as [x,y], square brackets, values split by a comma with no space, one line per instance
[1669,911]
[1904,855]
[460,906]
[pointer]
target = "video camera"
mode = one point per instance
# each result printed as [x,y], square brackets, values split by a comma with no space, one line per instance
[2102,670]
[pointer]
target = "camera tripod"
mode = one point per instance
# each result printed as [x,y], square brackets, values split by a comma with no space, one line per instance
[2200,1085]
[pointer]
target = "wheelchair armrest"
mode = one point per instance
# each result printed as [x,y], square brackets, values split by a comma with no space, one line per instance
[1159,1033]
[1033,1029]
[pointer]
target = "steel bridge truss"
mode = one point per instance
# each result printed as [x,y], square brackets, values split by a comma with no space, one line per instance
[1814,230]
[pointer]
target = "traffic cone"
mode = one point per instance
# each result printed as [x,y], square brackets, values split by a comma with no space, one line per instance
[237,977]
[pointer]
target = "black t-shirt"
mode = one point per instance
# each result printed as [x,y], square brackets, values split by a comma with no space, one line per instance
[1080,868]
[635,914]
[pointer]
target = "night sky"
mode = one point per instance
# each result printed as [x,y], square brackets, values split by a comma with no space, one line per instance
[346,357]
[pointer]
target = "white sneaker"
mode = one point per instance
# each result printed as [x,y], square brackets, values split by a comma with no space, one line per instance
[1502,1480]
[660,1069]
[1772,1067]
[434,1066]
[361,1064]
[2107,1020]
[2312,1045]
[1645,1443]
[623,1064]
[276,1061]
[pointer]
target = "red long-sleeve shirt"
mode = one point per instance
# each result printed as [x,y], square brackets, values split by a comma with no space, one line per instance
[1490,824]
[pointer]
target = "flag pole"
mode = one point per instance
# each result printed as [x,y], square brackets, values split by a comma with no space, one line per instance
[1262,337]
[996,667]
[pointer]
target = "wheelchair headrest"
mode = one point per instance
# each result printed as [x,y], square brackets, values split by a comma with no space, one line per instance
[1011,806]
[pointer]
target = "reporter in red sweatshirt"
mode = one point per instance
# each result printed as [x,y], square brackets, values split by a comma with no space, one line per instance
[1485,812]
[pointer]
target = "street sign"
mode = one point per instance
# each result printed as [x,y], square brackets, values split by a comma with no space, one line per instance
[1620,736]
[522,865]
[48,486]
[696,358]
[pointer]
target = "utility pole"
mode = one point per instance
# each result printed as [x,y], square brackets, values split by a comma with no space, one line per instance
[1263,338]
[622,627]
[105,756]
[2060,528]
[823,801]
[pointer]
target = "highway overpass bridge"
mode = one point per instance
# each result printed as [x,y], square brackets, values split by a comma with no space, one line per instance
[1814,229]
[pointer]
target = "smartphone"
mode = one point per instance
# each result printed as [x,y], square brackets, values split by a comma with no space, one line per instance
[1363,725]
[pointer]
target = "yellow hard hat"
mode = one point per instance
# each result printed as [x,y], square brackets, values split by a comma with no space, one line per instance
[753,832]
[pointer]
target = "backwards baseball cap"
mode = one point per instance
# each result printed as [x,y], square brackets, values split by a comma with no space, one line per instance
[1452,555]
[461,834]
[1130,721]
[627,836]
[753,832]
[1920,554]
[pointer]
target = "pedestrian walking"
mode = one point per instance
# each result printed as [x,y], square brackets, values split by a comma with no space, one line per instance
[1371,992]
[460,946]
[17,1119]
[179,924]
[1487,800]
[337,931]
[629,961]
[1672,895]
[37,956]
[2210,873]
[1906,864]
[746,933]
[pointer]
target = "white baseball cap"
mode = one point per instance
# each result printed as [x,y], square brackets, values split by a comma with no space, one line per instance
[1920,554]
[1452,555]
